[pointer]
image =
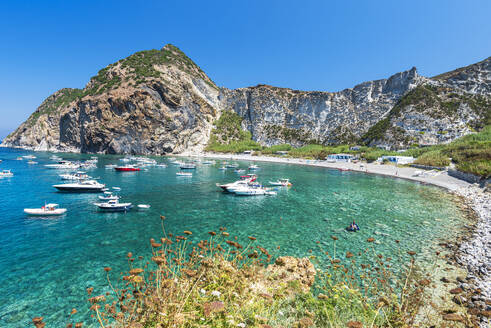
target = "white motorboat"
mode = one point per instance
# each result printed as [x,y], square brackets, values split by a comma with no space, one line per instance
[63,165]
[143,206]
[188,166]
[29,156]
[223,168]
[184,174]
[232,166]
[82,186]
[6,174]
[46,210]
[208,162]
[244,180]
[281,182]
[117,188]
[55,158]
[75,176]
[239,171]
[253,167]
[19,159]
[177,162]
[161,165]
[114,206]
[31,162]
[110,166]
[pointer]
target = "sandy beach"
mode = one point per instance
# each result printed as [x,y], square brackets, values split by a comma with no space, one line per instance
[474,254]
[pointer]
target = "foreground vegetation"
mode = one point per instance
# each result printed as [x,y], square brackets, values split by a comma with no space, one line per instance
[471,153]
[221,283]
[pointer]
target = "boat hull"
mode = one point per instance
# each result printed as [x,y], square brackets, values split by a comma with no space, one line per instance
[78,189]
[127,169]
[38,212]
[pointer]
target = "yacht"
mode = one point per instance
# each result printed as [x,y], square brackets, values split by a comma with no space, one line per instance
[208,162]
[6,174]
[63,165]
[110,166]
[281,182]
[82,186]
[46,210]
[114,206]
[232,166]
[244,181]
[184,174]
[29,156]
[253,167]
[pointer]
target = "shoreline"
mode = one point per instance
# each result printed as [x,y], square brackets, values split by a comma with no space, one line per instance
[472,252]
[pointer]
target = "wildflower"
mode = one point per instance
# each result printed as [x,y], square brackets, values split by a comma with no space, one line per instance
[202,291]
[73,311]
[136,271]
[370,240]
[187,232]
[216,293]
[349,254]
[411,253]
[162,217]
[158,259]
[213,233]
[90,290]
[241,325]
[226,234]
[156,245]
[251,238]
[129,254]
[280,312]
[334,237]
[107,269]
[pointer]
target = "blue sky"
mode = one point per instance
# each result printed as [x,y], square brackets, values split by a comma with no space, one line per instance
[308,45]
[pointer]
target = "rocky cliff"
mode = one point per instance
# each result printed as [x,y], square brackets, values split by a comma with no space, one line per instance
[160,101]
[153,102]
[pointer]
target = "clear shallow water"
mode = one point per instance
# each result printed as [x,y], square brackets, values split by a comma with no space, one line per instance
[46,264]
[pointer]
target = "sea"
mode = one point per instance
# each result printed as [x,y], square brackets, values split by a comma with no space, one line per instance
[46,264]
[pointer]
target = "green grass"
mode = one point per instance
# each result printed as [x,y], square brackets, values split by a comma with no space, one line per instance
[433,158]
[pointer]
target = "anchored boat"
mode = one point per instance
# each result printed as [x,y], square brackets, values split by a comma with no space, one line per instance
[46,210]
[114,206]
[82,186]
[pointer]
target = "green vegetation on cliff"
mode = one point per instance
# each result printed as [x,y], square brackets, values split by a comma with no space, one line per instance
[228,136]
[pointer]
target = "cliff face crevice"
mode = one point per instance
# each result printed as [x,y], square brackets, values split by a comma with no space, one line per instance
[159,102]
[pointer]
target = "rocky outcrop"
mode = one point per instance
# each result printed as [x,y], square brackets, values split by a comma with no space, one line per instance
[160,101]
[153,102]
[277,115]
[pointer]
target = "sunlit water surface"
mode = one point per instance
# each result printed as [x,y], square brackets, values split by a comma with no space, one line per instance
[47,264]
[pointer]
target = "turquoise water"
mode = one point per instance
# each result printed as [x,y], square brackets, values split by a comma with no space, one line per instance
[46,264]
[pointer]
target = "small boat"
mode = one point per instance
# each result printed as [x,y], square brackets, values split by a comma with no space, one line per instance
[253,167]
[29,156]
[188,166]
[55,158]
[184,174]
[114,206]
[161,165]
[6,174]
[244,181]
[239,171]
[353,227]
[110,166]
[82,186]
[116,188]
[208,162]
[46,210]
[281,182]
[31,162]
[127,168]
[126,159]
[223,168]
[108,196]
[232,166]
[75,176]
[143,206]
[63,165]
[177,162]
[19,159]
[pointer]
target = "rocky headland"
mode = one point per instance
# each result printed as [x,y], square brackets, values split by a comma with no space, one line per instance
[161,102]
